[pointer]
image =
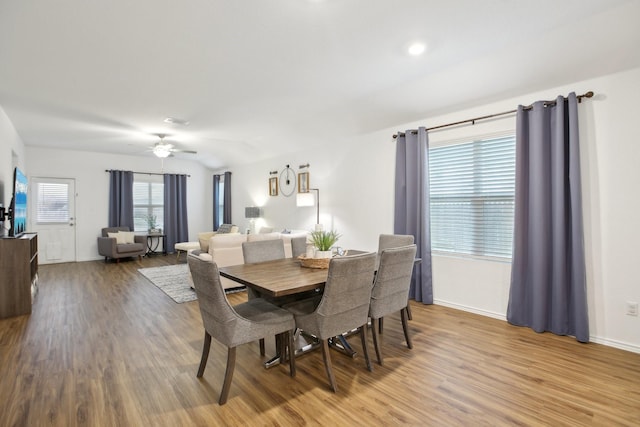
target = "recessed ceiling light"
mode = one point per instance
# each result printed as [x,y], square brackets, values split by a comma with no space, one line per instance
[417,49]
[175,121]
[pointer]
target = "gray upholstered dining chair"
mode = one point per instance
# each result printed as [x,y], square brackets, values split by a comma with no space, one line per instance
[235,325]
[391,289]
[386,241]
[344,305]
[298,246]
[261,251]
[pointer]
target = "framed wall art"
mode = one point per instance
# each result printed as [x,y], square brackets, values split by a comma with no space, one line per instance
[303,182]
[273,186]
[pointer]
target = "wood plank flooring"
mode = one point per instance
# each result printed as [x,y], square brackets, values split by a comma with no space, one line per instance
[105,347]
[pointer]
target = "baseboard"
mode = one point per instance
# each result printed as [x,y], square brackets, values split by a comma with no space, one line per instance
[598,340]
[616,344]
[474,310]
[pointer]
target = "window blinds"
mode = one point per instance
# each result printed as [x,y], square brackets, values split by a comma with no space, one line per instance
[472,187]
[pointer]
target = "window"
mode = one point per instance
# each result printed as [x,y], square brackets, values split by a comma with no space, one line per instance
[52,205]
[472,187]
[148,200]
[219,208]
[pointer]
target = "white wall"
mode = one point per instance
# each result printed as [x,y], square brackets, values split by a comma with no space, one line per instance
[10,144]
[92,188]
[355,177]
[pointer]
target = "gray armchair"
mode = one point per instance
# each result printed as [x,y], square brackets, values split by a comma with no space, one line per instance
[109,248]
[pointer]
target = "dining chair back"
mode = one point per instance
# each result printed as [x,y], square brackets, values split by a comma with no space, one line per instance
[391,289]
[386,241]
[298,246]
[261,251]
[235,325]
[344,305]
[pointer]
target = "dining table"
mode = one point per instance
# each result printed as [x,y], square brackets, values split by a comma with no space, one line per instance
[277,278]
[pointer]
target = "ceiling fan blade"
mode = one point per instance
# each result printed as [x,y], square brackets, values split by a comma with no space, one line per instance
[184,151]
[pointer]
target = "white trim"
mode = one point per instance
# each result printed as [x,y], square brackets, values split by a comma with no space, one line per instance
[617,344]
[594,339]
[474,310]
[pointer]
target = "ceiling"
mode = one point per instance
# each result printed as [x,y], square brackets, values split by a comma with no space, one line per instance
[256,77]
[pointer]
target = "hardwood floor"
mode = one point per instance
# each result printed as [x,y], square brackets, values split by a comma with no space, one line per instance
[104,347]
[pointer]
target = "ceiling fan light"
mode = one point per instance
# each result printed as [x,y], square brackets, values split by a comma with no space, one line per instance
[161,151]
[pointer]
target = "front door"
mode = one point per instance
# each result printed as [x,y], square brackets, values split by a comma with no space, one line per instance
[52,205]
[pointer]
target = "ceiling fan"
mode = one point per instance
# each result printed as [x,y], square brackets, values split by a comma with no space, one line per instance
[164,149]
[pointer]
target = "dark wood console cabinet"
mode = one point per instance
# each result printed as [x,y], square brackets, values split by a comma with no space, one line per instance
[18,274]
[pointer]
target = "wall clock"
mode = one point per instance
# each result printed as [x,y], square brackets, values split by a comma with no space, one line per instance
[287,181]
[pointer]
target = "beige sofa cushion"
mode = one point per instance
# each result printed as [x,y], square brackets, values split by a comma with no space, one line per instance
[203,238]
[225,250]
[262,236]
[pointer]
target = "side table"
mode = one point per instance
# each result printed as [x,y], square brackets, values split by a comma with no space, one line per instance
[153,242]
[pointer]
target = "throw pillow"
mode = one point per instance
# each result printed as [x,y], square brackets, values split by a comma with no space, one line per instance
[203,238]
[224,228]
[127,236]
[119,237]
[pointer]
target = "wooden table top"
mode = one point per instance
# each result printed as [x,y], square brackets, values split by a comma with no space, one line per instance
[277,278]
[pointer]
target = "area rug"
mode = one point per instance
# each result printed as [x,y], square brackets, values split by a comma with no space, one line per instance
[175,281]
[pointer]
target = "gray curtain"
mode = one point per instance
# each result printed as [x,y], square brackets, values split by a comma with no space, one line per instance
[121,199]
[548,284]
[412,211]
[176,226]
[226,215]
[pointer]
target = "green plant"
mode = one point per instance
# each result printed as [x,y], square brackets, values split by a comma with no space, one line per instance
[151,221]
[324,240]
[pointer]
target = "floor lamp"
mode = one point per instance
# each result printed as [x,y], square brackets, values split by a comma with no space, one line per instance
[307,199]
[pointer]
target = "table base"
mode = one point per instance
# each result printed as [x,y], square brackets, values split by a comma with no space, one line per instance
[307,342]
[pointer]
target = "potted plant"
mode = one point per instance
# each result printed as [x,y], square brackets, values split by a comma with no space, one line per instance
[152,223]
[323,241]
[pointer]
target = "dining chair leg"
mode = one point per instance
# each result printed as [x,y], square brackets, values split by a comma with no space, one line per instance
[228,375]
[327,365]
[365,350]
[409,315]
[262,347]
[376,342]
[403,315]
[292,354]
[281,342]
[380,323]
[205,354]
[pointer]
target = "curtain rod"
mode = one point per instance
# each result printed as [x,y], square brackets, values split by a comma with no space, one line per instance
[150,173]
[490,116]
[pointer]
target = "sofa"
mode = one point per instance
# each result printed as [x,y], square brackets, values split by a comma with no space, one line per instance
[119,242]
[226,249]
